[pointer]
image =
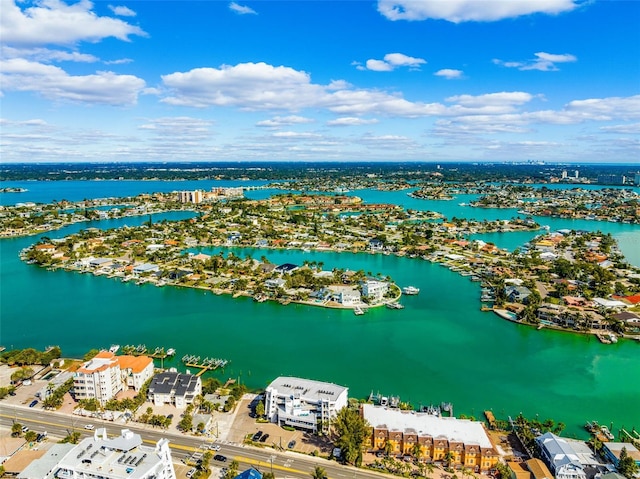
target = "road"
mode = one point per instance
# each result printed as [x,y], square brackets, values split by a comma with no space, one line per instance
[285,464]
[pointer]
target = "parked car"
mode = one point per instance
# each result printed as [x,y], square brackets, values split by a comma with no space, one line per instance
[191,472]
[33,403]
[264,438]
[220,457]
[291,444]
[25,428]
[256,437]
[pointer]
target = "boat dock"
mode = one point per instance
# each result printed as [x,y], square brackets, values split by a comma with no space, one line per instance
[141,349]
[206,364]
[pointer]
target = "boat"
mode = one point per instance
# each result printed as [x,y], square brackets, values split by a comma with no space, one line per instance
[357,310]
[394,306]
[171,352]
[410,290]
[114,348]
[606,433]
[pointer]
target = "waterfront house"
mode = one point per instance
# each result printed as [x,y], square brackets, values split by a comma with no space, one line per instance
[612,450]
[466,440]
[374,290]
[304,403]
[143,268]
[275,283]
[376,245]
[136,370]
[286,268]
[517,294]
[345,295]
[175,388]
[561,458]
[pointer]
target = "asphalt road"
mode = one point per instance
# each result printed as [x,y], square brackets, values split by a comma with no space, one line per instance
[285,464]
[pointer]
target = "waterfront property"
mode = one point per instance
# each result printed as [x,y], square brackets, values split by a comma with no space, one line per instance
[560,456]
[120,457]
[612,450]
[304,403]
[430,438]
[106,375]
[99,378]
[179,389]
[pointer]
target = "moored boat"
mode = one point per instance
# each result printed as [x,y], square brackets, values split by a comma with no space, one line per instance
[410,290]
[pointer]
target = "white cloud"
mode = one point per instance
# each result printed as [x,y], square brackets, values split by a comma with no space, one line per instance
[391,62]
[120,61]
[242,9]
[633,129]
[279,121]
[458,11]
[351,121]
[55,22]
[180,127]
[295,135]
[54,83]
[259,86]
[122,11]
[449,74]
[545,62]
[45,55]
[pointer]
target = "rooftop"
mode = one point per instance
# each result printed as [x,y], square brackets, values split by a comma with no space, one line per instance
[451,428]
[308,388]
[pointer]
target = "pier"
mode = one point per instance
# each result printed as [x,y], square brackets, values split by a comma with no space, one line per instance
[206,364]
[141,349]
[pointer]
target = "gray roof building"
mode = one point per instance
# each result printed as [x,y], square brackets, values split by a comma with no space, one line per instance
[174,388]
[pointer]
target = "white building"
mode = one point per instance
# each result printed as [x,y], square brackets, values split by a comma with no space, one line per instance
[345,295]
[195,196]
[121,457]
[561,458]
[136,370]
[174,388]
[374,290]
[304,403]
[100,378]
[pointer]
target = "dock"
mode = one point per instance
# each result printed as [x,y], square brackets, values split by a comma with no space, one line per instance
[490,419]
[206,364]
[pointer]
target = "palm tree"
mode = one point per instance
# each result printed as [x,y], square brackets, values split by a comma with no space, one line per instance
[319,473]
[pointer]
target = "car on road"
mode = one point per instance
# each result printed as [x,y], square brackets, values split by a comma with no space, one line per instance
[191,472]
[291,444]
[220,457]
[89,427]
[256,437]
[264,438]
[33,403]
[213,447]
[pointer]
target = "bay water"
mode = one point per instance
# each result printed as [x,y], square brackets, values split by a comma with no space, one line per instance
[441,347]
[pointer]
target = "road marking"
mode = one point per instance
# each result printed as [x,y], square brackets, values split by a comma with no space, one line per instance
[267,464]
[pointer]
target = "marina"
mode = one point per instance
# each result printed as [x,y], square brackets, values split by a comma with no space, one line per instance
[206,364]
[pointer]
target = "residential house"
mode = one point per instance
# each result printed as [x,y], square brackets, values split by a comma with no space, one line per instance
[612,450]
[538,469]
[374,290]
[560,457]
[175,388]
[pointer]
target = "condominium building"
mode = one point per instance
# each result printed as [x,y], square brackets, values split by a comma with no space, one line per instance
[179,389]
[374,290]
[430,438]
[120,457]
[136,370]
[99,378]
[195,196]
[304,403]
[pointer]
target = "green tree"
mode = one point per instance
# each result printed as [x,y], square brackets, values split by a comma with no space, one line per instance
[30,436]
[186,423]
[626,464]
[16,429]
[352,430]
[260,409]
[319,473]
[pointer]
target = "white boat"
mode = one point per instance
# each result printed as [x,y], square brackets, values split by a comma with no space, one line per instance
[171,352]
[358,311]
[395,306]
[410,290]
[114,348]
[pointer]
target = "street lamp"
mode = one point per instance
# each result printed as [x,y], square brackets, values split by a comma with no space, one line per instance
[271,459]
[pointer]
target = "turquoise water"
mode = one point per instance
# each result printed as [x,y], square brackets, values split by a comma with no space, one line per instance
[439,348]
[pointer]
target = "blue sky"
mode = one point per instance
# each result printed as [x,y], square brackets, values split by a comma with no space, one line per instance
[355,80]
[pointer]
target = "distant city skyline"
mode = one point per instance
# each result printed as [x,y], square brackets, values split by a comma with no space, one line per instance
[388,80]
